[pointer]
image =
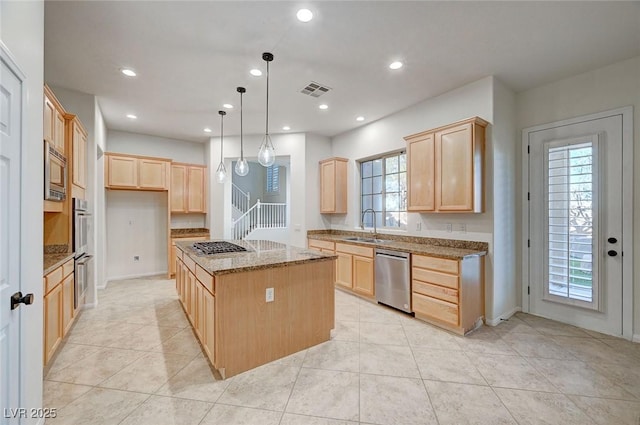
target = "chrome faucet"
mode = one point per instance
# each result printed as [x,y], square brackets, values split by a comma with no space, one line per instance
[375,228]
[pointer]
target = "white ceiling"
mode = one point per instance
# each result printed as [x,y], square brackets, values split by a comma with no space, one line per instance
[191,56]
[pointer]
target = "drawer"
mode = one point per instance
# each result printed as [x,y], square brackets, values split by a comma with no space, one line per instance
[315,243]
[178,252]
[435,291]
[205,279]
[191,265]
[433,263]
[437,278]
[52,280]
[67,268]
[435,309]
[362,251]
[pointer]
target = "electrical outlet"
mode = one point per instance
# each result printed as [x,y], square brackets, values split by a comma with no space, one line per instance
[449,227]
[136,258]
[462,228]
[270,295]
[418,226]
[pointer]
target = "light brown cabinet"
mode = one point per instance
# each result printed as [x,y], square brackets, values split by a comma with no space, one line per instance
[53,124]
[445,168]
[136,172]
[173,252]
[59,308]
[448,293]
[333,186]
[78,136]
[354,269]
[188,188]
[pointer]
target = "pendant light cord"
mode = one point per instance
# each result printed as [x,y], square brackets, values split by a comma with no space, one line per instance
[267,120]
[221,135]
[241,143]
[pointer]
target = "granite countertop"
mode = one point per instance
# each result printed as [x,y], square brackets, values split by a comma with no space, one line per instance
[434,247]
[53,261]
[189,233]
[260,254]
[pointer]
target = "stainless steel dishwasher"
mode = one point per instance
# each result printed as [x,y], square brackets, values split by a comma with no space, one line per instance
[393,284]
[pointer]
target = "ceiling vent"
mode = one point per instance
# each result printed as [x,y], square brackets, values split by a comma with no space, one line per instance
[315,89]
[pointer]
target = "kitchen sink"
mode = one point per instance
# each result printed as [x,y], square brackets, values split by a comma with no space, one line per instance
[365,240]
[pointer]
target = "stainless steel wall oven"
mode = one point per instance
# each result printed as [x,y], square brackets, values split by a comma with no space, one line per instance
[81,226]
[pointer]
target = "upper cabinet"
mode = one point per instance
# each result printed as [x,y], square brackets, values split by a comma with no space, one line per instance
[188,188]
[136,173]
[53,121]
[333,186]
[78,136]
[445,168]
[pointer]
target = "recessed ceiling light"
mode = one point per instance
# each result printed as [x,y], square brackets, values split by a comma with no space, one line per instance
[132,117]
[128,72]
[360,119]
[286,128]
[304,15]
[207,130]
[323,106]
[395,65]
[228,106]
[255,72]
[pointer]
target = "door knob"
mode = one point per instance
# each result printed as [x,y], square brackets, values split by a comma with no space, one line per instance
[18,298]
[612,240]
[612,253]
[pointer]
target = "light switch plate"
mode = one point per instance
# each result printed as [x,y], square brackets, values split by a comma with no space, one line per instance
[269,296]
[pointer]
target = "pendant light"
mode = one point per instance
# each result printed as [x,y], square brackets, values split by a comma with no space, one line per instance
[242,167]
[221,172]
[267,153]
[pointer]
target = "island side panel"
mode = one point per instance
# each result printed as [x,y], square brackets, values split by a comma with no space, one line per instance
[252,332]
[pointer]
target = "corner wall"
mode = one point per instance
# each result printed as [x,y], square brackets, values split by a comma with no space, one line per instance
[22,31]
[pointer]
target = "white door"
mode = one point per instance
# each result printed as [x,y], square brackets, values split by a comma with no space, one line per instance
[10,143]
[576,223]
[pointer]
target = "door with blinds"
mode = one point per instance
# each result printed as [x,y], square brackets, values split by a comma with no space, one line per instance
[575,235]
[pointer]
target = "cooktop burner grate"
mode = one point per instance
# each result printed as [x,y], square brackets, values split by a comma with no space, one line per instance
[217,247]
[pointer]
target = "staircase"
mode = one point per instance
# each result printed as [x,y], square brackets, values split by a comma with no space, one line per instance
[260,216]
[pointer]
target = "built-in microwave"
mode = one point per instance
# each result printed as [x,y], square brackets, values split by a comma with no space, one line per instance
[55,173]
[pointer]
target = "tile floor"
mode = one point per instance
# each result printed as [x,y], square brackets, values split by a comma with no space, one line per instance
[134,360]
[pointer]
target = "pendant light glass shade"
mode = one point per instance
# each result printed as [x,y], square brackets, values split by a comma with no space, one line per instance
[267,153]
[221,171]
[242,167]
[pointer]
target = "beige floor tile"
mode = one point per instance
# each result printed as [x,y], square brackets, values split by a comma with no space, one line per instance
[392,360]
[536,345]
[291,419]
[149,373]
[184,342]
[536,408]
[168,411]
[222,414]
[196,382]
[464,404]
[99,406]
[266,387]
[59,394]
[381,333]
[334,355]
[70,354]
[102,336]
[325,393]
[514,325]
[391,400]
[624,376]
[450,366]
[551,327]
[425,335]
[346,331]
[347,312]
[485,340]
[593,350]
[576,377]
[511,372]
[292,360]
[375,313]
[96,367]
[145,338]
[609,412]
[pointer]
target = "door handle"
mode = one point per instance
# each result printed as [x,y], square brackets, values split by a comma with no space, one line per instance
[17,299]
[612,240]
[612,253]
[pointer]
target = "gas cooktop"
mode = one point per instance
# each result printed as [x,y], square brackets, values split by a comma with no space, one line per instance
[217,247]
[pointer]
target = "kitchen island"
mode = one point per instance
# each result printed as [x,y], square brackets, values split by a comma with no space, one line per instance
[253,307]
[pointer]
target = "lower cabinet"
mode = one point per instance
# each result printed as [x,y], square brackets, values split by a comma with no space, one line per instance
[448,293]
[209,305]
[354,268]
[59,309]
[172,251]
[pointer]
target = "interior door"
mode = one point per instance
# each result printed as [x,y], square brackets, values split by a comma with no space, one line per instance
[10,169]
[575,223]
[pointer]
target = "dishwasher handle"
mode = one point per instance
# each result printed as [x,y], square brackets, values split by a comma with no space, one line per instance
[392,254]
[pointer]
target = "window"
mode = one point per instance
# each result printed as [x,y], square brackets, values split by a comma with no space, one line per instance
[383,188]
[273,179]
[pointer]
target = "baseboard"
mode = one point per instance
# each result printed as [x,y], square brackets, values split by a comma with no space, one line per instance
[636,338]
[88,306]
[133,276]
[503,316]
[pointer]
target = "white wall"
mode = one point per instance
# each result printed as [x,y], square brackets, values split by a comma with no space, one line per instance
[136,225]
[317,149]
[610,87]
[99,200]
[291,145]
[159,147]
[22,31]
